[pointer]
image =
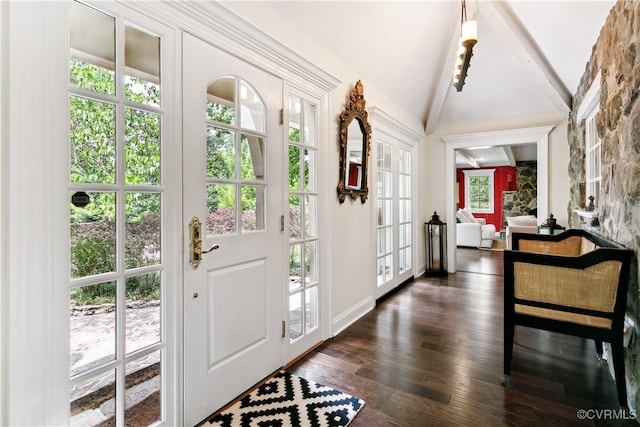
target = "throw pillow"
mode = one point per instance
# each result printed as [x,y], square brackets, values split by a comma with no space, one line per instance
[465,216]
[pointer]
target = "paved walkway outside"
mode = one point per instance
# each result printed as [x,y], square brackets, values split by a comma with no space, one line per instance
[93,343]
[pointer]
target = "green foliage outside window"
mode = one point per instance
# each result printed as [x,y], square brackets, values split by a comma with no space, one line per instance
[294,163]
[93,154]
[92,133]
[479,192]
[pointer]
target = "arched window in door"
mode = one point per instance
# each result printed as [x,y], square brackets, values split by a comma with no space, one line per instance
[236,182]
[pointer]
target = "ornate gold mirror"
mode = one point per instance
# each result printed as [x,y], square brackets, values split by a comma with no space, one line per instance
[355,135]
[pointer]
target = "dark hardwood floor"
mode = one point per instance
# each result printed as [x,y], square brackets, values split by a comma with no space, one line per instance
[430,354]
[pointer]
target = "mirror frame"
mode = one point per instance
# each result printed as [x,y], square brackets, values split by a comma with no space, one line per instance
[354,110]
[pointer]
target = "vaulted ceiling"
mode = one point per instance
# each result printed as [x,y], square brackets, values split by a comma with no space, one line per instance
[529,57]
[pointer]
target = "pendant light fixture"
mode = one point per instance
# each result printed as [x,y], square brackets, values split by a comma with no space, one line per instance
[468,39]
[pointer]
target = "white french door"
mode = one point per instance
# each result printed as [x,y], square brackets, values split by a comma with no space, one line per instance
[394,212]
[233,184]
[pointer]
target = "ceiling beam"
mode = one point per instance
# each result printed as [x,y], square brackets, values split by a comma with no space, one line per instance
[508,153]
[522,45]
[445,82]
[467,158]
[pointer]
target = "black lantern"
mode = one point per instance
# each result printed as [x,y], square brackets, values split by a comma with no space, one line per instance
[436,245]
[550,226]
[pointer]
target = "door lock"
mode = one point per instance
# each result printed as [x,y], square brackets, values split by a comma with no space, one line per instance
[195,245]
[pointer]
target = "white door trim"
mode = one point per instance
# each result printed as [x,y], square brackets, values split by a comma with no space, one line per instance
[34,174]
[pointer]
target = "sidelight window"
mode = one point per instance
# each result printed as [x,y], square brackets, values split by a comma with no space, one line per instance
[117,273]
[303,219]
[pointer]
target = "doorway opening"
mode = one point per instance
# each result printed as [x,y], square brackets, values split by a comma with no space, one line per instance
[515,137]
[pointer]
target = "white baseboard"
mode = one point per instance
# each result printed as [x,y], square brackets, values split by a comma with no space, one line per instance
[347,318]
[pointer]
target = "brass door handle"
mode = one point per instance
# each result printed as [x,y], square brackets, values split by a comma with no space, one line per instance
[212,248]
[195,243]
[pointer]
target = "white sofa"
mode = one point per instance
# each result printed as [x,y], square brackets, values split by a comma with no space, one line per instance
[520,224]
[473,232]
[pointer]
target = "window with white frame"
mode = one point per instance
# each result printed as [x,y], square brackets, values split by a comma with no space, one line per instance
[588,111]
[478,190]
[593,161]
[303,281]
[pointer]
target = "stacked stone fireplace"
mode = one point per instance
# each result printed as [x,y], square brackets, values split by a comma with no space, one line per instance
[526,196]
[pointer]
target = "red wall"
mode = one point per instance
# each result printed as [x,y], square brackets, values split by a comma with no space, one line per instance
[500,184]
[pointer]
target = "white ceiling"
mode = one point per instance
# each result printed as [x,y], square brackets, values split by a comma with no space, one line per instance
[529,57]
[480,157]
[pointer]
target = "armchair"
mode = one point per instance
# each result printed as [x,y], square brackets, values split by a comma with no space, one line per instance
[473,232]
[573,283]
[520,224]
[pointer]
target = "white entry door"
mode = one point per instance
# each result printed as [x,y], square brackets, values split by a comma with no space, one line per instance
[233,184]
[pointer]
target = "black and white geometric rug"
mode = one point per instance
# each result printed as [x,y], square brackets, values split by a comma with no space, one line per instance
[286,400]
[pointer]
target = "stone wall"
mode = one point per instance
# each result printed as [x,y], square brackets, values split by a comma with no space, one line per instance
[526,196]
[615,56]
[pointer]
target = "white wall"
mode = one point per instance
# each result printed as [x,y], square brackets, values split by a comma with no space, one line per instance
[559,173]
[4,136]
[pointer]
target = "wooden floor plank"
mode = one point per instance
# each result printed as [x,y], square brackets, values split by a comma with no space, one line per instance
[430,354]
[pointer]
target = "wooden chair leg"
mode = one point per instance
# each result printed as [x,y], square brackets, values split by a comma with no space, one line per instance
[599,349]
[618,367]
[509,330]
